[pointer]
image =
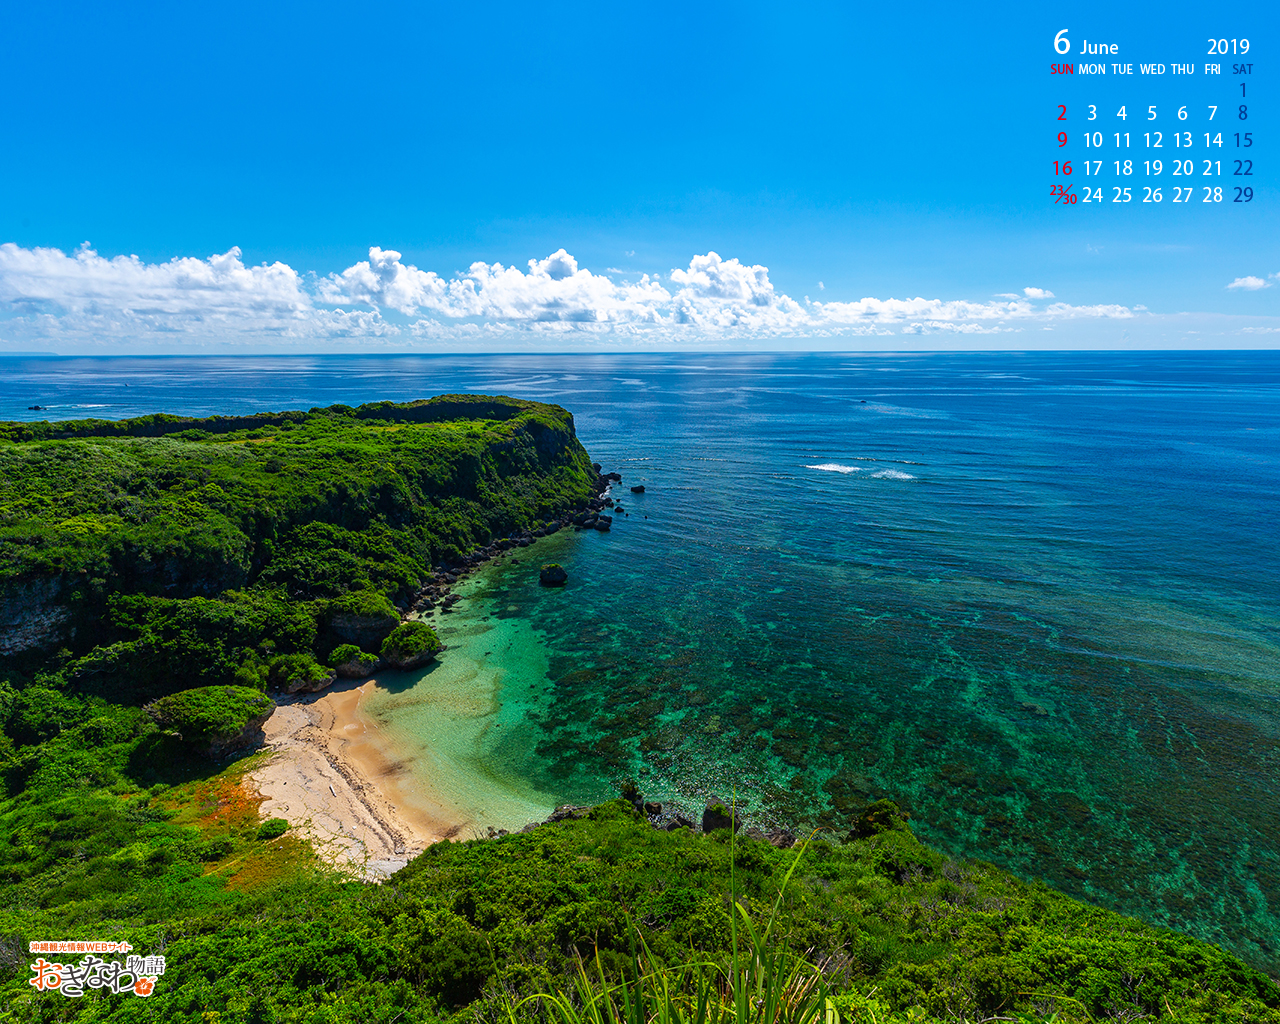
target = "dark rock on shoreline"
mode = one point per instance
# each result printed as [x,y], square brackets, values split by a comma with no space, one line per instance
[304,683]
[358,665]
[405,661]
[717,814]
[567,811]
[409,661]
[637,489]
[781,838]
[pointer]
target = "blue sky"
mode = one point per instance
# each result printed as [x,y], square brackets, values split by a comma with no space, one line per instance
[890,152]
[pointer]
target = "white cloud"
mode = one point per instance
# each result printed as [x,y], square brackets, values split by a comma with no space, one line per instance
[1250,284]
[553,289]
[85,281]
[49,296]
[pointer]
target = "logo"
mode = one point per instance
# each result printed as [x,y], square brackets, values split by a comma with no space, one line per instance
[136,974]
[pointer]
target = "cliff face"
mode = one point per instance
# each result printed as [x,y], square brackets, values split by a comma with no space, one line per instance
[230,528]
[32,615]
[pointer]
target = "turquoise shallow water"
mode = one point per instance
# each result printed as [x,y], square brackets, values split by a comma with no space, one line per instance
[1032,597]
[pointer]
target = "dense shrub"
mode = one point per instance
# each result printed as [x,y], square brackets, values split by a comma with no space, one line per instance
[411,640]
[365,603]
[210,713]
[296,672]
[272,828]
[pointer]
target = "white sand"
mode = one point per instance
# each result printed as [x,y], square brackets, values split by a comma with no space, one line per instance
[373,772]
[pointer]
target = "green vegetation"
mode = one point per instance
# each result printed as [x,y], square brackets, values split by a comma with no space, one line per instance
[350,654]
[887,929]
[761,981]
[211,714]
[293,672]
[189,565]
[146,556]
[365,610]
[368,604]
[411,640]
[272,828]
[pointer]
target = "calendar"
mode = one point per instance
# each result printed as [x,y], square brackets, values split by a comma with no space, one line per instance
[1152,125]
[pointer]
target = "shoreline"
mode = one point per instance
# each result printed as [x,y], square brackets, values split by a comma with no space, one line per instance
[330,780]
[334,777]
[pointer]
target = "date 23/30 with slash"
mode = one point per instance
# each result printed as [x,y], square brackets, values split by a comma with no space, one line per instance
[1197,151]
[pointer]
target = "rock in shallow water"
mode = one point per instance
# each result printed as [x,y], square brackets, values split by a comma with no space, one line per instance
[553,575]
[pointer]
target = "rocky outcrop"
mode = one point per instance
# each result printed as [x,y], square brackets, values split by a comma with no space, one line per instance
[249,735]
[362,630]
[358,666]
[718,814]
[404,662]
[637,489]
[30,615]
[214,719]
[412,645]
[553,575]
[310,683]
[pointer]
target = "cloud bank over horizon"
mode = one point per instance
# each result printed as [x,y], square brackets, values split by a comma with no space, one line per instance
[50,297]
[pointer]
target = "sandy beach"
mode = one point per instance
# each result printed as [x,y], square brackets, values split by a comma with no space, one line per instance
[373,771]
[331,779]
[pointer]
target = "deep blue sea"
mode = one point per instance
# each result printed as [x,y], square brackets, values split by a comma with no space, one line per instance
[1035,598]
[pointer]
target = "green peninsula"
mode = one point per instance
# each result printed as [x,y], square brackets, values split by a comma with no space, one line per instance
[159,576]
[150,555]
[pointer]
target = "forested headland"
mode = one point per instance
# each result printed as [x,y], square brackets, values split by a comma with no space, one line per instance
[161,577]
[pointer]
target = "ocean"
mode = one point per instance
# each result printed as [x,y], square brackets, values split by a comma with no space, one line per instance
[1034,598]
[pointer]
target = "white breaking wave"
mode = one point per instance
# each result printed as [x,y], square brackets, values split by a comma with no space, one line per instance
[835,467]
[892,474]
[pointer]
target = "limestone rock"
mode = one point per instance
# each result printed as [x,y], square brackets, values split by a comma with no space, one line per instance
[310,684]
[359,666]
[31,615]
[718,814]
[362,630]
[553,575]
[404,662]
